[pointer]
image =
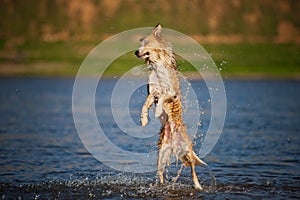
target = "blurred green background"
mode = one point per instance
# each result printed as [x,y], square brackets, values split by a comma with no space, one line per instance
[247,39]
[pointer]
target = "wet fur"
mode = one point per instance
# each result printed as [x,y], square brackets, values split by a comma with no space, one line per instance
[164,92]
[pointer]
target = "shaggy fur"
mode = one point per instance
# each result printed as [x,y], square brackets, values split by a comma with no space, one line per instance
[164,92]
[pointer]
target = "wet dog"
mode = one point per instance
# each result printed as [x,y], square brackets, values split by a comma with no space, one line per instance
[164,92]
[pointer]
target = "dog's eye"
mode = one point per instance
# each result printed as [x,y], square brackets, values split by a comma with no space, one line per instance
[145,42]
[141,40]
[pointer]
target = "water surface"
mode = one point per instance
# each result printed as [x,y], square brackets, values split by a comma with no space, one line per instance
[42,157]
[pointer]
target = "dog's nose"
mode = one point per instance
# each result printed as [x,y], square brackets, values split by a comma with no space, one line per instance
[137,53]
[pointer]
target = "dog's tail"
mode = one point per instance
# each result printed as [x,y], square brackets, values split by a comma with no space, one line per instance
[211,174]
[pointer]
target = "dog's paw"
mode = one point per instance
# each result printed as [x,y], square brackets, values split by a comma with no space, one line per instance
[198,187]
[144,120]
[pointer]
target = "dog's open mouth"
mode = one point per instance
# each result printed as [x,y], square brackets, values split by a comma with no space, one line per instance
[144,55]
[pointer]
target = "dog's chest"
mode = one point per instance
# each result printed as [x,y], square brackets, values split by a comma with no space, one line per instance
[160,81]
[154,83]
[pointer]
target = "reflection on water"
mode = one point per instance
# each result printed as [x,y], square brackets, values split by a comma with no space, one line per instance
[257,155]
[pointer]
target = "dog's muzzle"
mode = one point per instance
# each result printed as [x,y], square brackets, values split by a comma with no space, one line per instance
[137,53]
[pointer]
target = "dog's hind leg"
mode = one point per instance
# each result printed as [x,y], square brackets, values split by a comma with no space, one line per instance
[164,151]
[163,160]
[194,176]
[178,173]
[190,159]
[160,167]
[201,162]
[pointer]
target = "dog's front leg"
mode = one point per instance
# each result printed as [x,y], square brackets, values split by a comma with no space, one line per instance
[144,115]
[159,106]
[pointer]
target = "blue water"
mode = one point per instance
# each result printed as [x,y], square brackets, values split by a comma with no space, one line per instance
[42,157]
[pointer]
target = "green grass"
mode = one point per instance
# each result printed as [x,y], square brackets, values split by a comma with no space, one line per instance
[265,59]
[67,52]
[278,60]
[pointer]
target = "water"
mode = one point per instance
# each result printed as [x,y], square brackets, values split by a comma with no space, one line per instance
[42,157]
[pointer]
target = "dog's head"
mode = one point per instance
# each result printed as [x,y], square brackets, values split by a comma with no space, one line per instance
[155,49]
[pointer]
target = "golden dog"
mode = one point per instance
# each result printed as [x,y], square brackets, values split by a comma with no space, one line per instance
[164,92]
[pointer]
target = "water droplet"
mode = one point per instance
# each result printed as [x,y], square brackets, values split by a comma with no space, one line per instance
[36,196]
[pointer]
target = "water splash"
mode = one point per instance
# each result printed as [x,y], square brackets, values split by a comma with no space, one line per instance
[213,182]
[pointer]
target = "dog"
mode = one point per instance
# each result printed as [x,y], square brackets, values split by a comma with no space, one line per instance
[164,92]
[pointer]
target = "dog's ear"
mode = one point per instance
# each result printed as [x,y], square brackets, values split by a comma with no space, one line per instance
[157,30]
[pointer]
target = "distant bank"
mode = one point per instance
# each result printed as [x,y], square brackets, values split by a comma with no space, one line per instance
[251,61]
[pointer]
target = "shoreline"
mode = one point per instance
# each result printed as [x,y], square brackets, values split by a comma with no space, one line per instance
[67,70]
